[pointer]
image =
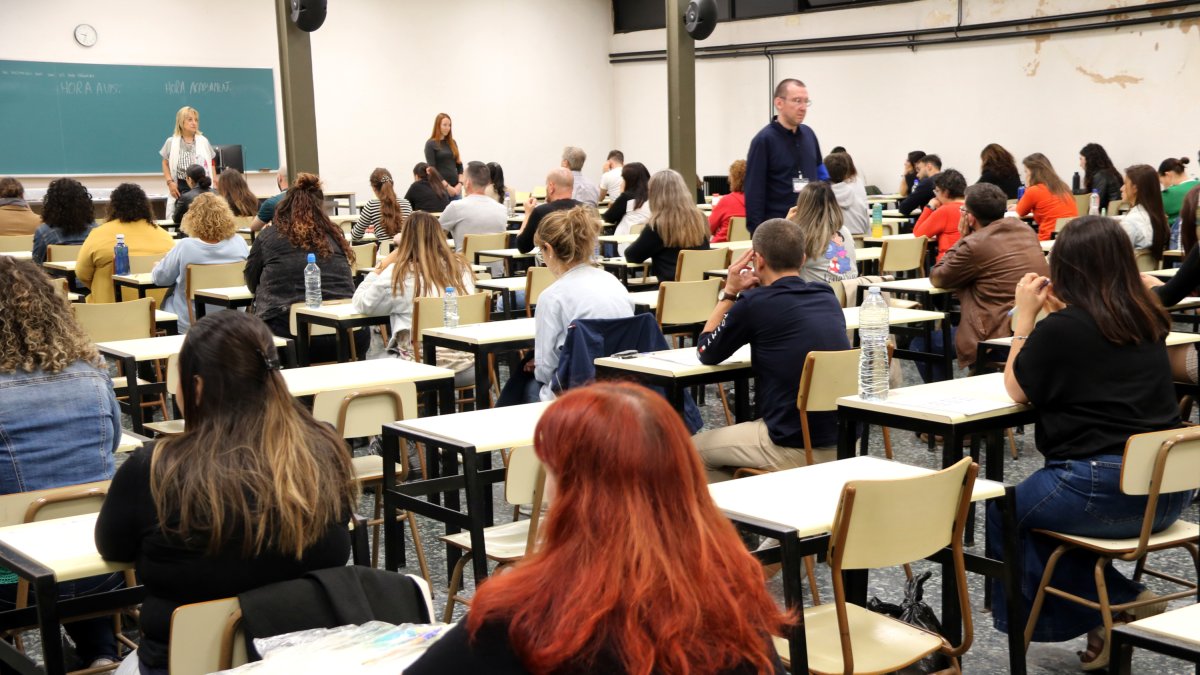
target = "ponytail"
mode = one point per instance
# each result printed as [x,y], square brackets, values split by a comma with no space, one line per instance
[390,217]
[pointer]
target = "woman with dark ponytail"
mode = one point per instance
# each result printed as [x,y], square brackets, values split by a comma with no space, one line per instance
[428,190]
[1172,175]
[386,214]
[198,183]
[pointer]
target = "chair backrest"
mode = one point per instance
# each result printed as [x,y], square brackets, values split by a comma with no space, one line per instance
[313,329]
[16,243]
[1060,224]
[200,277]
[692,264]
[827,376]
[144,264]
[537,279]
[244,222]
[1116,207]
[1178,452]
[172,375]
[686,302]
[364,256]
[206,637]
[62,252]
[1083,202]
[362,411]
[902,255]
[539,192]
[738,230]
[60,284]
[472,243]
[1145,261]
[521,197]
[525,483]
[427,313]
[59,502]
[116,321]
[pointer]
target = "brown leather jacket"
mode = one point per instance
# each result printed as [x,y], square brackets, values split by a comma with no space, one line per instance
[984,268]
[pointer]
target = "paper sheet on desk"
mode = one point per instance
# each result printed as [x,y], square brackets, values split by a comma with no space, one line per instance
[688,357]
[963,405]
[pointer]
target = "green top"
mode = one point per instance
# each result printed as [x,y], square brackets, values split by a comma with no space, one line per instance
[1173,198]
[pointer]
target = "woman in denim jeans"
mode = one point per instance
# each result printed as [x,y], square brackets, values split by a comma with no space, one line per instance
[59,421]
[1096,371]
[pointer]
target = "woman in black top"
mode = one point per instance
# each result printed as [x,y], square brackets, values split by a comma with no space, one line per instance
[198,183]
[636,180]
[1000,169]
[428,191]
[441,152]
[909,177]
[675,223]
[1100,175]
[254,491]
[1096,372]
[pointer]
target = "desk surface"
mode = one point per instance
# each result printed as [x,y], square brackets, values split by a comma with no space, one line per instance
[502,284]
[1164,274]
[806,499]
[1173,338]
[488,332]
[868,253]
[340,312]
[65,545]
[618,238]
[732,245]
[226,293]
[315,379]
[1179,624]
[504,253]
[887,237]
[60,266]
[19,255]
[646,298]
[148,349]
[921,285]
[949,402]
[161,316]
[896,316]
[141,279]
[129,442]
[485,430]
[676,362]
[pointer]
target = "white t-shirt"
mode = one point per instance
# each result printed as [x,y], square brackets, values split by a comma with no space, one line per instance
[611,182]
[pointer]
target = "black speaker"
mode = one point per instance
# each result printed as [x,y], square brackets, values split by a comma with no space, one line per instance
[700,18]
[308,15]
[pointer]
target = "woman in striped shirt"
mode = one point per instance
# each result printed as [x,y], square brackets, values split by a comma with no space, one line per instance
[386,214]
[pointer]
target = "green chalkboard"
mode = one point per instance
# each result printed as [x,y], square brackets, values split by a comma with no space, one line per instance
[77,118]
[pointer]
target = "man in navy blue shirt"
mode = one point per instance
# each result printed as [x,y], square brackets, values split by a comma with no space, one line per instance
[783,154]
[782,318]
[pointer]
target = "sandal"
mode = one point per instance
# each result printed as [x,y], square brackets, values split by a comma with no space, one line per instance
[1096,656]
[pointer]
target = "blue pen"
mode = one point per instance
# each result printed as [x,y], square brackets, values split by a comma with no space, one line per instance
[1012,312]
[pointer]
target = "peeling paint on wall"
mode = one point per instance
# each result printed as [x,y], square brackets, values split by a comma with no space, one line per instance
[1187,25]
[1031,68]
[1120,80]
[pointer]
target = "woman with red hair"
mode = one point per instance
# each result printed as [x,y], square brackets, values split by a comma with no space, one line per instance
[637,572]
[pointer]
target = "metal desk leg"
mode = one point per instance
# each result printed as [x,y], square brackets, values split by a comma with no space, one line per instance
[741,399]
[793,597]
[302,341]
[846,428]
[129,364]
[1012,584]
[476,508]
[483,383]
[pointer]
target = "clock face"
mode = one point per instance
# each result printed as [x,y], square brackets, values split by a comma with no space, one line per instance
[85,35]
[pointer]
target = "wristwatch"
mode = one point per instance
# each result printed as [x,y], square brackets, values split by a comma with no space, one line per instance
[732,297]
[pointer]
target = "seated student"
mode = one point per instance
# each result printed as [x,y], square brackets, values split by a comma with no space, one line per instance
[421,265]
[850,192]
[16,218]
[1146,223]
[939,219]
[384,215]
[266,210]
[212,240]
[253,491]
[231,185]
[732,205]
[1172,175]
[998,167]
[198,183]
[580,291]
[58,417]
[984,266]
[783,318]
[475,213]
[1046,196]
[632,207]
[496,188]
[129,215]
[675,224]
[610,180]
[559,187]
[619,448]
[908,180]
[1096,372]
[428,190]
[828,245]
[1099,174]
[68,215]
[275,266]
[927,168]
[1183,357]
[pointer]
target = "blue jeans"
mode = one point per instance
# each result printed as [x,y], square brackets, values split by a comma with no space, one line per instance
[93,638]
[1083,497]
[521,388]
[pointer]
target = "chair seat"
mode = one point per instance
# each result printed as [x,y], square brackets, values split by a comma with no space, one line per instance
[166,428]
[505,543]
[122,383]
[1179,532]
[880,643]
[368,468]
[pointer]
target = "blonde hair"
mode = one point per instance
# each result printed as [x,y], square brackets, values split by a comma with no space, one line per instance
[37,327]
[572,233]
[181,115]
[819,217]
[673,211]
[209,218]
[424,254]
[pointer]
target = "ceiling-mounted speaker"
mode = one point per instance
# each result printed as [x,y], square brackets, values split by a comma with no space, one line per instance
[700,18]
[308,15]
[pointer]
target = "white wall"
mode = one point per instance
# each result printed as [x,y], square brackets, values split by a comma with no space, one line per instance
[1131,89]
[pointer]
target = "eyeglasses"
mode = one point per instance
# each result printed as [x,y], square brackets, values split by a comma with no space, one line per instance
[806,102]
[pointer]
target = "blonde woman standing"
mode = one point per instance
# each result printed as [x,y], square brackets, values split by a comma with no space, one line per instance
[675,224]
[185,147]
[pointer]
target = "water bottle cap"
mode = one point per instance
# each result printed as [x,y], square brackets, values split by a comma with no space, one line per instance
[312,257]
[873,289]
[449,289]
[121,238]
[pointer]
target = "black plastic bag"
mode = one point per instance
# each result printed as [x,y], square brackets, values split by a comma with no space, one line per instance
[915,612]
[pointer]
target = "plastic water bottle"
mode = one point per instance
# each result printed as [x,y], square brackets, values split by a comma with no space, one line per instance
[120,256]
[312,283]
[873,337]
[450,308]
[1094,203]
[877,220]
[508,204]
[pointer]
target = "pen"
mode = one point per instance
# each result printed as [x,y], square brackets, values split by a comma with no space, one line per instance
[1012,312]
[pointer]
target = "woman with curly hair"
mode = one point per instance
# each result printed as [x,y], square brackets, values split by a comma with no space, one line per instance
[58,418]
[275,266]
[131,217]
[16,218]
[68,215]
[998,167]
[212,240]
[231,185]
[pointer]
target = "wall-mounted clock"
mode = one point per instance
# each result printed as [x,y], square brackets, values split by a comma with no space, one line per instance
[85,35]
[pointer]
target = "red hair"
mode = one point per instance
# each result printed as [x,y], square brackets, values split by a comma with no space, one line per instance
[645,570]
[448,139]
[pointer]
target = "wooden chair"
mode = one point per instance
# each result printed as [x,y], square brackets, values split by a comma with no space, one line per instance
[521,198]
[16,243]
[1154,464]
[1145,261]
[692,264]
[524,481]
[314,330]
[62,252]
[427,313]
[539,192]
[121,321]
[364,257]
[171,427]
[684,306]
[144,264]
[738,230]
[1083,202]
[903,255]
[537,279]
[473,243]
[361,412]
[207,637]
[200,277]
[1060,224]
[884,523]
[1117,207]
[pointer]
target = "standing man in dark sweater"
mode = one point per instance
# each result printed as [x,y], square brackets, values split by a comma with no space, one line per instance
[782,155]
[560,184]
[765,303]
[921,195]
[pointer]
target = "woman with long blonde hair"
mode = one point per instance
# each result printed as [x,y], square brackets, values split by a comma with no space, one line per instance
[1046,196]
[828,244]
[254,491]
[441,152]
[675,224]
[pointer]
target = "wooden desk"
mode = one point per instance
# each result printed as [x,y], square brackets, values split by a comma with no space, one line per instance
[899,316]
[507,287]
[138,282]
[511,257]
[311,380]
[18,255]
[130,442]
[474,435]
[995,350]
[878,241]
[622,268]
[609,243]
[350,197]
[1164,274]
[644,301]
[479,339]
[62,268]
[1175,633]
[166,321]
[797,507]
[343,319]
[922,288]
[230,297]
[734,247]
[675,370]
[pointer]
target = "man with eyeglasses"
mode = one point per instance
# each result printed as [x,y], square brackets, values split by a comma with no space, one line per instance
[984,266]
[783,157]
